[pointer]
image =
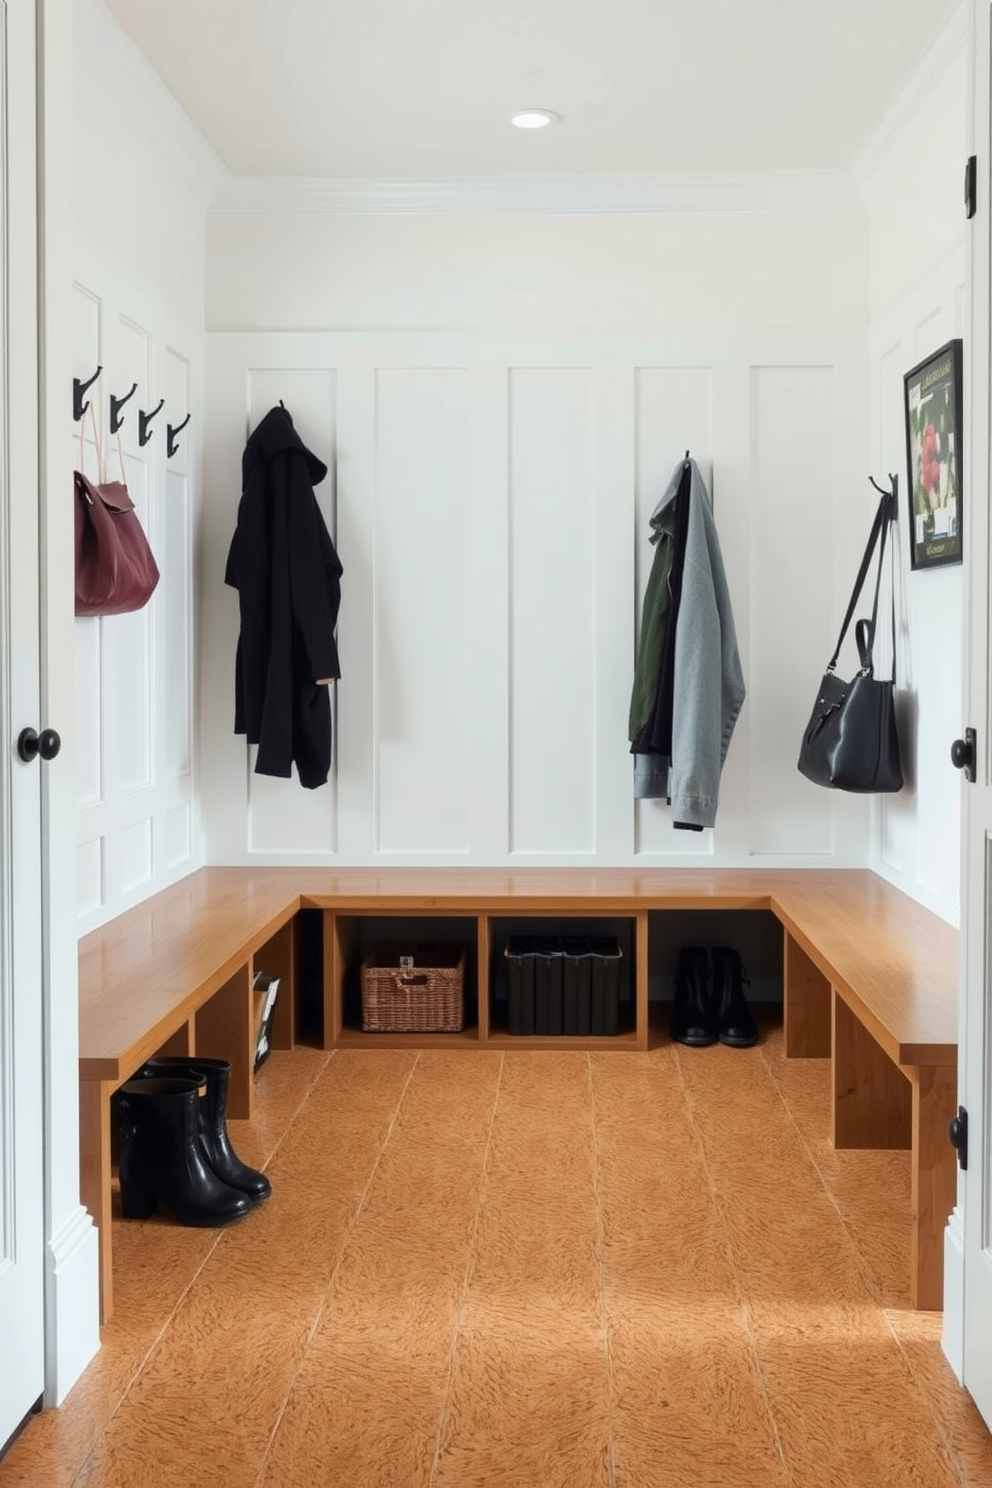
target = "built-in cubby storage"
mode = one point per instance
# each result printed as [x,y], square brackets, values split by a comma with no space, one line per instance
[556,932]
[348,939]
[755,933]
[331,986]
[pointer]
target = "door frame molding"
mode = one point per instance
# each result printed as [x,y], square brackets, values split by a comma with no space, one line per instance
[72,1288]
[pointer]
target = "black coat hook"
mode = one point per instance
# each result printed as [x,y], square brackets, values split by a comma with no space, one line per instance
[171,442]
[892,510]
[79,389]
[116,404]
[144,419]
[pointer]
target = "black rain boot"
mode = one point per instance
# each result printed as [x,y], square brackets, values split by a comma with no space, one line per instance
[736,1025]
[693,1017]
[162,1160]
[216,1075]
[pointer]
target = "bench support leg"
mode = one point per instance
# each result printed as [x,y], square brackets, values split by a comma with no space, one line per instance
[934,1179]
[224,1031]
[807,1004]
[872,1099]
[94,1176]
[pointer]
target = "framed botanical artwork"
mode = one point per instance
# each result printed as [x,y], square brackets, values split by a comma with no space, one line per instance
[933,449]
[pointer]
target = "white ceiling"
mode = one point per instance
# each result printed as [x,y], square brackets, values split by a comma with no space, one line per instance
[423,88]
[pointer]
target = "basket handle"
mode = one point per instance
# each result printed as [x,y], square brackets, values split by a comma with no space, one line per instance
[409,981]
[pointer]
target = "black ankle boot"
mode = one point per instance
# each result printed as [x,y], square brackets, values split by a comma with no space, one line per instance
[162,1160]
[693,1019]
[735,1021]
[216,1075]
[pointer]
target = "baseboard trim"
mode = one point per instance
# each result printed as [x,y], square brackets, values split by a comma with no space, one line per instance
[72,1304]
[952,1340]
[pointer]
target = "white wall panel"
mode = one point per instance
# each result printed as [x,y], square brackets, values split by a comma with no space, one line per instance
[127,718]
[423,623]
[132,364]
[89,691]
[552,616]
[178,835]
[176,604]
[136,855]
[91,892]
[917,833]
[794,427]
[674,413]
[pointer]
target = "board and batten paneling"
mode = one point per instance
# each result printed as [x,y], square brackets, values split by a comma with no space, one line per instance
[916,835]
[422,622]
[137,812]
[490,498]
[552,681]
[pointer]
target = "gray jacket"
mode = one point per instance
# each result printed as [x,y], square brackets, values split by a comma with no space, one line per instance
[709,682]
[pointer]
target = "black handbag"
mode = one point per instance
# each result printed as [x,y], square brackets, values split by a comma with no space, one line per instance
[850,742]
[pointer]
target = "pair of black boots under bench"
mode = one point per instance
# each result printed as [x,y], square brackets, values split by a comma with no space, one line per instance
[176,1150]
[703,1012]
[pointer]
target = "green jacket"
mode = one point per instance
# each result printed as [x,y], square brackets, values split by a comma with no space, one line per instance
[654,625]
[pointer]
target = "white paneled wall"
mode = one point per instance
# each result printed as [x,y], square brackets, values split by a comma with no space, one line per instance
[137,826]
[490,497]
[917,833]
[918,304]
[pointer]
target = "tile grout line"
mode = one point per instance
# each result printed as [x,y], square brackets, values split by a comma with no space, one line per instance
[742,1299]
[868,1277]
[346,1238]
[611,1393]
[153,1347]
[466,1281]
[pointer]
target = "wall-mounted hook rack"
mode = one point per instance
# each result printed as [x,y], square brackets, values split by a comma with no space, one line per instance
[171,441]
[116,404]
[79,391]
[144,420]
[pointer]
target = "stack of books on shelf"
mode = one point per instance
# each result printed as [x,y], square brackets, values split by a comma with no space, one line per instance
[265,989]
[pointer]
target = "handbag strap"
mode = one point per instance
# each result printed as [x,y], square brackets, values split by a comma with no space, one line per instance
[865,630]
[101,455]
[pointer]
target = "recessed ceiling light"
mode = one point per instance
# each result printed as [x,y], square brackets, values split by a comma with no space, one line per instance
[533,118]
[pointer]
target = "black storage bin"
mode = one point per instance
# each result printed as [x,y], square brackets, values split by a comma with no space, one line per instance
[591,993]
[534,984]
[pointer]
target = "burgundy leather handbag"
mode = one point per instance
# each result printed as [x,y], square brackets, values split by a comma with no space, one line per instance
[115,569]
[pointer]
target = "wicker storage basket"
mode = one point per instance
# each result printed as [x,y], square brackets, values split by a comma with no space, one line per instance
[424,994]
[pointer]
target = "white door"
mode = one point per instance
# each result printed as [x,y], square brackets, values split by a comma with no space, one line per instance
[975,1058]
[21,1093]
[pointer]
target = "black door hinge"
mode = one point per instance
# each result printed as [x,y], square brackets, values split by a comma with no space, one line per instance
[958,1132]
[970,186]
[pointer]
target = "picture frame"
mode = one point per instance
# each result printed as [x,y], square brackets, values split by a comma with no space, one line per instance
[933,401]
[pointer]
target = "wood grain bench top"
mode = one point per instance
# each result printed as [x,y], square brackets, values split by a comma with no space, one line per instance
[893,961]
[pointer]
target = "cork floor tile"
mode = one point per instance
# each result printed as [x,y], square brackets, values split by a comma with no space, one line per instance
[527,1270]
[529,1403]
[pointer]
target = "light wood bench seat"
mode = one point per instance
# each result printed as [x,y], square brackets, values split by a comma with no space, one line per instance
[870,981]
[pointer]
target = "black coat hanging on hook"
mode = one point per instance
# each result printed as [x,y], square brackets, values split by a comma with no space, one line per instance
[288,577]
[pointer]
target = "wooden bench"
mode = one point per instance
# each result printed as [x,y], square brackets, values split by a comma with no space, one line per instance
[870,980]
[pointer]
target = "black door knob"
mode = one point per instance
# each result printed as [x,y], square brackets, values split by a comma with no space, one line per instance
[47,744]
[963,753]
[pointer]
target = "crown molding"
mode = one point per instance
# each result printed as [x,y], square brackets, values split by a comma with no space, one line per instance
[730,192]
[944,49]
[112,64]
